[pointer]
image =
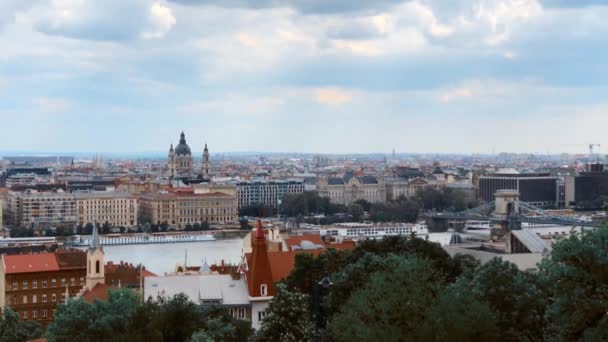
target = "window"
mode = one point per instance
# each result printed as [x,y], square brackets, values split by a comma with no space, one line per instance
[24,300]
[25,284]
[53,282]
[44,313]
[72,281]
[44,284]
[44,298]
[34,314]
[14,285]
[261,315]
[35,284]
[264,290]
[63,297]
[24,314]
[35,299]
[97,267]
[63,282]
[54,297]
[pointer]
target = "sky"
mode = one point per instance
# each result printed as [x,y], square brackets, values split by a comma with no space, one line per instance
[316,76]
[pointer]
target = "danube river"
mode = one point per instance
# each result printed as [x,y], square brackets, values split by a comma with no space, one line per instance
[161,258]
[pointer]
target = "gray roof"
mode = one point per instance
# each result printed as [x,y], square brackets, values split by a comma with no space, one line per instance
[199,288]
[530,239]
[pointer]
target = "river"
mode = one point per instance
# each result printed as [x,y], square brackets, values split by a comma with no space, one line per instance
[162,258]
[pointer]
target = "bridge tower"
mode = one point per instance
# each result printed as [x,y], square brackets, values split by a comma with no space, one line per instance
[507,212]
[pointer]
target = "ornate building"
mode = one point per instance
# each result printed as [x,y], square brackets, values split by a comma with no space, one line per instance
[349,188]
[180,160]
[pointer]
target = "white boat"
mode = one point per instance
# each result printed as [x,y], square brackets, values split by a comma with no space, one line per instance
[366,231]
[144,239]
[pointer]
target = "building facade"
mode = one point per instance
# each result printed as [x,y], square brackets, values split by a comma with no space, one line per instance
[179,161]
[34,284]
[348,189]
[119,209]
[42,209]
[267,193]
[538,189]
[187,207]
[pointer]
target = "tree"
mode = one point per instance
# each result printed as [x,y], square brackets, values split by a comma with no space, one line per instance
[244,224]
[288,318]
[391,305]
[356,211]
[10,329]
[576,277]
[516,298]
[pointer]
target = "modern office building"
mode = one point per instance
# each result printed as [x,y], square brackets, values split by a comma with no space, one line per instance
[539,189]
[188,207]
[589,189]
[267,193]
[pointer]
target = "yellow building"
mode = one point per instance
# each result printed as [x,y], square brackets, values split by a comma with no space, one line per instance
[119,209]
[188,207]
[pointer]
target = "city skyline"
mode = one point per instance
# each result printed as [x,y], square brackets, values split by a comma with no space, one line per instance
[304,76]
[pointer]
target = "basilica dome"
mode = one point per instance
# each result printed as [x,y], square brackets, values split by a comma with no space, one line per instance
[182,148]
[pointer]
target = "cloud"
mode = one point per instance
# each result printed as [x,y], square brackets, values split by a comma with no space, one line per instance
[111,20]
[573,3]
[302,6]
[333,96]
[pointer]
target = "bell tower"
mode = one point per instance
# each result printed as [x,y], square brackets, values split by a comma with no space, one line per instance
[95,262]
[171,161]
[206,161]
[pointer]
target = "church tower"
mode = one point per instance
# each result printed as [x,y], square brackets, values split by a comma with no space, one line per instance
[206,161]
[95,262]
[171,161]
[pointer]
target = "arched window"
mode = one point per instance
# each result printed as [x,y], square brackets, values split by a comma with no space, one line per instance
[264,290]
[97,267]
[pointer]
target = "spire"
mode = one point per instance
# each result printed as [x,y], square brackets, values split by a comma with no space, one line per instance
[206,149]
[182,138]
[95,239]
[171,148]
[259,231]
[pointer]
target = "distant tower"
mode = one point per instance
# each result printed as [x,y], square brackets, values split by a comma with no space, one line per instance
[171,162]
[95,262]
[206,161]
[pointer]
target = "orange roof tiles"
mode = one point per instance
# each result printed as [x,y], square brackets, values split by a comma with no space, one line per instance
[100,292]
[28,263]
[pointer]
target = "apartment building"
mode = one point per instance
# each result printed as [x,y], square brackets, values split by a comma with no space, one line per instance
[41,209]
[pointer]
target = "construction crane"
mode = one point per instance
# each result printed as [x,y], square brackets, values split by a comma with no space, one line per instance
[591,146]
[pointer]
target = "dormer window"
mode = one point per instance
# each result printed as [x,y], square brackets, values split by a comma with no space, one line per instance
[263,290]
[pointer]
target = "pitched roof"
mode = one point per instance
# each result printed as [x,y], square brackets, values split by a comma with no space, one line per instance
[282,262]
[27,263]
[99,292]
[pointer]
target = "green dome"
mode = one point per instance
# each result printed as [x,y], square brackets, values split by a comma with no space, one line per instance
[183,148]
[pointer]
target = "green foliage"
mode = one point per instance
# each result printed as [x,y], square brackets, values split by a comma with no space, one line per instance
[10,327]
[309,203]
[244,224]
[123,317]
[430,198]
[288,318]
[401,210]
[390,305]
[576,276]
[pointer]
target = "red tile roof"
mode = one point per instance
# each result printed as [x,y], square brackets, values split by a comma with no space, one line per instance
[343,246]
[99,292]
[282,263]
[28,263]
